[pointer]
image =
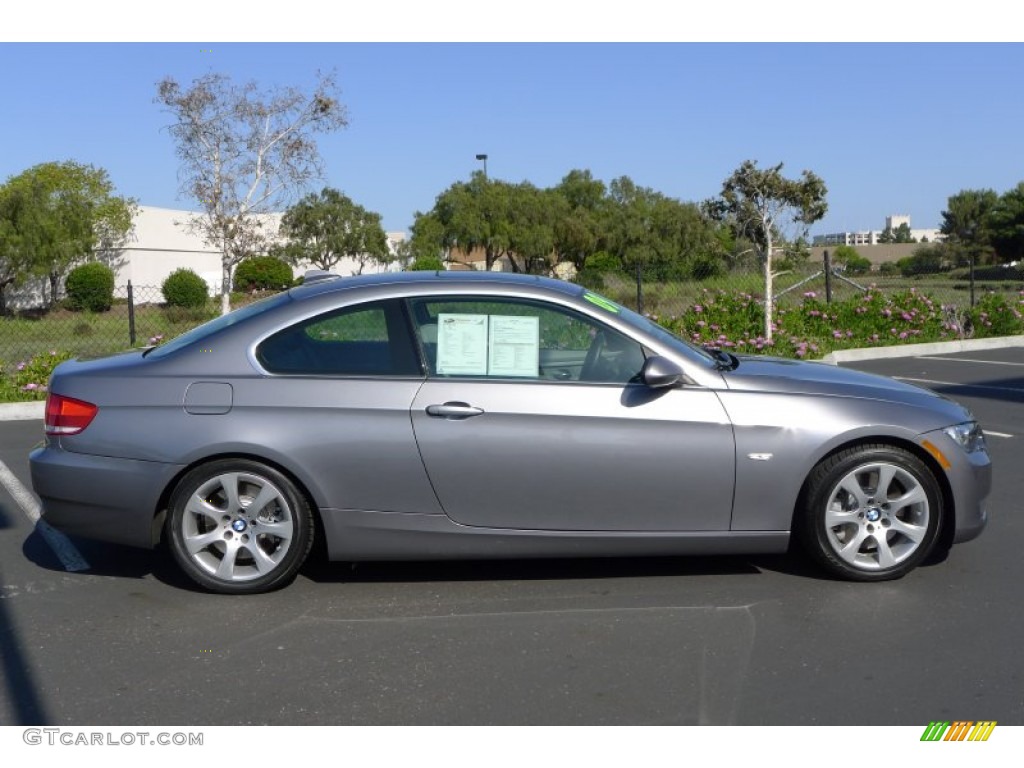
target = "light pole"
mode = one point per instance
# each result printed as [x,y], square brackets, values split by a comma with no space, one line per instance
[484,158]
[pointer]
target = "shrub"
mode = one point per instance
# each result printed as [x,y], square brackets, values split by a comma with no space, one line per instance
[993,315]
[263,273]
[90,287]
[857,265]
[602,261]
[926,260]
[184,288]
[427,264]
[30,378]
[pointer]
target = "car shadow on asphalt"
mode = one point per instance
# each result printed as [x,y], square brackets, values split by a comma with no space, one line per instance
[1010,390]
[134,563]
[111,560]
[126,562]
[554,569]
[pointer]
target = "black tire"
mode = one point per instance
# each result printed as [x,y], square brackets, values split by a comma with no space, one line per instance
[870,513]
[224,542]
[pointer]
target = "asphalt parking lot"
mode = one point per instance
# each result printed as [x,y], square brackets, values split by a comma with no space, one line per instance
[763,640]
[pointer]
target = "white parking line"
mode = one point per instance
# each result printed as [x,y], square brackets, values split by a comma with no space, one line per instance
[990,433]
[61,545]
[968,360]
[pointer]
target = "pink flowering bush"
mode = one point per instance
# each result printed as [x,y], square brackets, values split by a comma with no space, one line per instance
[29,379]
[812,328]
[995,315]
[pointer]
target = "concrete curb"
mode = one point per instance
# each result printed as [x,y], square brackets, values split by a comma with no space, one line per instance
[22,411]
[915,350]
[35,410]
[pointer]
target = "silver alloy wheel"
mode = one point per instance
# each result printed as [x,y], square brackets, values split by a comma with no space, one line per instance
[877,516]
[238,526]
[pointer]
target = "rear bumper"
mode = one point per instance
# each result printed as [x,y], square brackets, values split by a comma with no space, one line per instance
[99,497]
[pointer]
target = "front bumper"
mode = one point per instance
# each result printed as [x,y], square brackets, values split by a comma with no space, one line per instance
[100,497]
[970,481]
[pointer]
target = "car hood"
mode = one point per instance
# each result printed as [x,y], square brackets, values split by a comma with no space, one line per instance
[769,374]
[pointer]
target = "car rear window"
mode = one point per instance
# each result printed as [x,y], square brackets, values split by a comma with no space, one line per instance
[365,340]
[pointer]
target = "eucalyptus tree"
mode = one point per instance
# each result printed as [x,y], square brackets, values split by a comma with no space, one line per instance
[245,152]
[764,206]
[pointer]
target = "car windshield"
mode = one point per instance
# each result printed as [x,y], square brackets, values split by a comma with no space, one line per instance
[649,327]
[224,321]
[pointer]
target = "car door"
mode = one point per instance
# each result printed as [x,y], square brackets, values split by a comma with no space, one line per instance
[337,398]
[533,417]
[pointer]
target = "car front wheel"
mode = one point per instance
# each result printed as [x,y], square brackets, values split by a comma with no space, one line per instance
[871,513]
[239,527]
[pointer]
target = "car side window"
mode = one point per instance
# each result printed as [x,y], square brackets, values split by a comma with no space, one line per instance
[521,339]
[364,340]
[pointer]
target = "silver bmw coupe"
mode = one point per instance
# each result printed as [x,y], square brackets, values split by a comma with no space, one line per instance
[421,416]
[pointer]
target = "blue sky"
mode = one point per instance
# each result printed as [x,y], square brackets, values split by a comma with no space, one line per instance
[890,127]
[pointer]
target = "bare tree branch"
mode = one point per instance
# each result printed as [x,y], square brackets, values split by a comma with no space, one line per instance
[245,153]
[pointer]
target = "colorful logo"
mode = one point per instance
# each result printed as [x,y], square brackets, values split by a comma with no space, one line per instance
[960,730]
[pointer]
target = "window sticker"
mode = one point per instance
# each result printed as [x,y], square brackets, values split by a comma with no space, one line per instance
[602,302]
[462,344]
[514,346]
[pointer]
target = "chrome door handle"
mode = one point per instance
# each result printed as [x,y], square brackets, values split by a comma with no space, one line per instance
[454,410]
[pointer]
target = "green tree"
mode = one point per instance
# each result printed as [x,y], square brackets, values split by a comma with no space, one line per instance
[426,240]
[475,215]
[579,207]
[324,228]
[511,221]
[59,214]
[900,234]
[1005,224]
[530,233]
[427,264]
[245,153]
[759,203]
[965,223]
[17,209]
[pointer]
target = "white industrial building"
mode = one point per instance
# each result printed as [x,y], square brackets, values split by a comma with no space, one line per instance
[871,237]
[161,241]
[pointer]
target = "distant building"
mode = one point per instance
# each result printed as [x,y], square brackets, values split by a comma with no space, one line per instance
[871,237]
[161,241]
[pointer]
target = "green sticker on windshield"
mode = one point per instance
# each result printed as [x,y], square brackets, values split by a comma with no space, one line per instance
[602,302]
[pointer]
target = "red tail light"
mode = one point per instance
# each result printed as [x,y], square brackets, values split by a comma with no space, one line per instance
[67,416]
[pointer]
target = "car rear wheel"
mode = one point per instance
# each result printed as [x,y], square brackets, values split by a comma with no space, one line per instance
[871,513]
[239,527]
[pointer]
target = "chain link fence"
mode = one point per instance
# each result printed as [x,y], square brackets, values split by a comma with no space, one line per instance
[827,282]
[139,316]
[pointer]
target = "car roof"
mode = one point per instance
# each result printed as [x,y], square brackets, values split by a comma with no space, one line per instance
[330,283]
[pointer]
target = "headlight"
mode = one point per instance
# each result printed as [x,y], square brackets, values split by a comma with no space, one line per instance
[968,436]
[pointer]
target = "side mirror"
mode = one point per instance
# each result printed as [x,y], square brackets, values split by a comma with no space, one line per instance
[660,372]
